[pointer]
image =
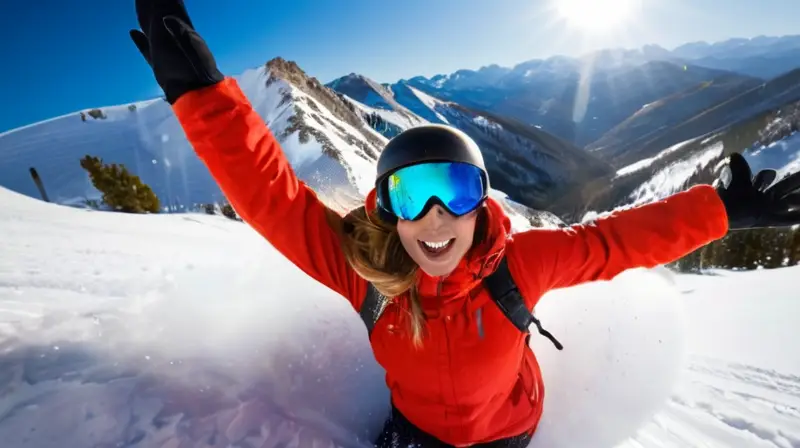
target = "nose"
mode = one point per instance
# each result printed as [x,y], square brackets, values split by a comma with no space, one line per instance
[435,217]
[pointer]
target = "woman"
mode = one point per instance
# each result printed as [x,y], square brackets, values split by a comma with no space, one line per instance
[459,373]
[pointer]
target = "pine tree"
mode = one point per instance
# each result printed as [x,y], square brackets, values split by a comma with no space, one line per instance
[122,191]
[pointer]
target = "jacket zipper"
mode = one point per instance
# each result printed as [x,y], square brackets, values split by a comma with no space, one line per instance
[447,345]
[447,342]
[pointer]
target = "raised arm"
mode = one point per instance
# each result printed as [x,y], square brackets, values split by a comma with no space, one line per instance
[645,236]
[239,150]
[660,232]
[248,164]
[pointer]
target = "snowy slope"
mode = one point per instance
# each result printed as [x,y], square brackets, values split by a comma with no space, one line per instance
[387,122]
[418,102]
[330,147]
[190,330]
[531,166]
[768,141]
[399,117]
[742,386]
[644,163]
[672,178]
[366,91]
[331,139]
[782,155]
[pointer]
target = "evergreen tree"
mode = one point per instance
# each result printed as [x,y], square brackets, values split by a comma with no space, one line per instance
[122,191]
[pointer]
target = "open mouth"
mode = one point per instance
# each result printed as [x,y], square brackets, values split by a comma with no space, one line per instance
[436,248]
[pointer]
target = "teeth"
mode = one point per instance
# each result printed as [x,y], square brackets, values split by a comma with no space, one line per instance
[436,245]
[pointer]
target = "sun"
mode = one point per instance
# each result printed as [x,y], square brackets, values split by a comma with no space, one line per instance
[596,16]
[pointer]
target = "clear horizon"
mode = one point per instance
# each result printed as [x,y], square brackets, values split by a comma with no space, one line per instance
[71,56]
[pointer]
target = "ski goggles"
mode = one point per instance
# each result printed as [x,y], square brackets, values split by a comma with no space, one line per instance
[410,192]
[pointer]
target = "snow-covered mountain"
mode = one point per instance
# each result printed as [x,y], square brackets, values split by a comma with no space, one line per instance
[377,105]
[329,145]
[677,118]
[327,137]
[768,140]
[580,99]
[703,54]
[188,330]
[531,166]
[184,330]
[331,140]
[762,56]
[664,115]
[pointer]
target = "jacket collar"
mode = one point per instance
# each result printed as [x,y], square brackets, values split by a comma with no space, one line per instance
[442,296]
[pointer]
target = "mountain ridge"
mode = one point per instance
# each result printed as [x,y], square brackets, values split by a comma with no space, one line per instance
[581,99]
[528,164]
[738,109]
[682,53]
[331,141]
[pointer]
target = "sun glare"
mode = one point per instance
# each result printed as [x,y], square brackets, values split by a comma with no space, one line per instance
[596,16]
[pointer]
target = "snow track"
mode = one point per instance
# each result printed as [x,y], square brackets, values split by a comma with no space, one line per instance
[721,403]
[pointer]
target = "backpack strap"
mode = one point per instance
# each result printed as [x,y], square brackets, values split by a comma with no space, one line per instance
[372,307]
[506,295]
[502,288]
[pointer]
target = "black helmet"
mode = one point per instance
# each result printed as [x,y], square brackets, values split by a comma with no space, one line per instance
[428,143]
[433,142]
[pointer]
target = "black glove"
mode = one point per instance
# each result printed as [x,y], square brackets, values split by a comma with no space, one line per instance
[752,201]
[180,59]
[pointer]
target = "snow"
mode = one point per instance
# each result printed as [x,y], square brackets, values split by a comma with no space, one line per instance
[644,163]
[430,102]
[191,330]
[742,386]
[403,118]
[485,123]
[116,327]
[783,154]
[135,138]
[672,178]
[517,213]
[151,143]
[518,222]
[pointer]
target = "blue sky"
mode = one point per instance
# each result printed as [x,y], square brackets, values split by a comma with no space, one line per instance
[64,55]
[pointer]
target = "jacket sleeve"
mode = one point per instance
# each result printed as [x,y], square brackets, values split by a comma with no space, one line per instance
[644,236]
[249,165]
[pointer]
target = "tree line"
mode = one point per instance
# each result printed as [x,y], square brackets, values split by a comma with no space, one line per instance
[749,249]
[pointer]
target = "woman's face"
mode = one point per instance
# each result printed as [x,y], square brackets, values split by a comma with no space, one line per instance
[438,241]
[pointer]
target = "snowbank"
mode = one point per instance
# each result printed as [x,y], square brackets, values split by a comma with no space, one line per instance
[623,351]
[190,330]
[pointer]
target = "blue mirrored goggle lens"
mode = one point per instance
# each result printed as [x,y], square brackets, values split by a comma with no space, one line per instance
[459,186]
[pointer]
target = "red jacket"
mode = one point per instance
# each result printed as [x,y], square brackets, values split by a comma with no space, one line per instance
[469,383]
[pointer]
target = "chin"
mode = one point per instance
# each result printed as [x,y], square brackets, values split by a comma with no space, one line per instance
[439,271]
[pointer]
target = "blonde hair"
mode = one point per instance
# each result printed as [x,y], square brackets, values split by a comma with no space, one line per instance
[374,250]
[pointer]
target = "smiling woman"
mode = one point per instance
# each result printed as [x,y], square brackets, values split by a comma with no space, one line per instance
[593,16]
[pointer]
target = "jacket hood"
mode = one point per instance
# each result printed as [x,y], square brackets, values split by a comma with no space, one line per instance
[442,296]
